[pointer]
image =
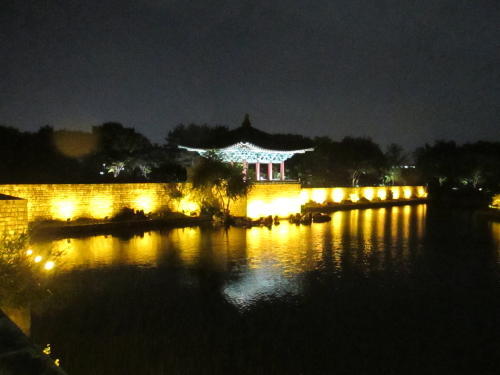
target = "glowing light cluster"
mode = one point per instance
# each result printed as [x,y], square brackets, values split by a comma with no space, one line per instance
[145,202]
[187,205]
[338,195]
[382,193]
[354,197]
[282,207]
[49,265]
[369,193]
[421,193]
[407,193]
[63,209]
[395,192]
[319,195]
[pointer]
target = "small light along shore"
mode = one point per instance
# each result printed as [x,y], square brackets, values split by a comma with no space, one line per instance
[18,355]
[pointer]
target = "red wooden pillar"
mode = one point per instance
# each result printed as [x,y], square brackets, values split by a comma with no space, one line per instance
[270,171]
[282,170]
[257,171]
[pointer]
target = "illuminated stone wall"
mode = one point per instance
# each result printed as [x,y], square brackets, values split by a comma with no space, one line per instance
[281,199]
[13,215]
[98,201]
[375,194]
[71,201]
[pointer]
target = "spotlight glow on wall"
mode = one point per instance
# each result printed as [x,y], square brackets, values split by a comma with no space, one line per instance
[63,209]
[338,195]
[368,193]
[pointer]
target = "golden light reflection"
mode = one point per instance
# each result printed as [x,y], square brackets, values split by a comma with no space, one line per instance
[49,265]
[406,221]
[272,256]
[353,223]
[367,224]
[380,219]
[495,230]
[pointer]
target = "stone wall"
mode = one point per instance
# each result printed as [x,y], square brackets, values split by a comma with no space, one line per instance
[273,198]
[13,215]
[98,201]
[355,194]
[70,201]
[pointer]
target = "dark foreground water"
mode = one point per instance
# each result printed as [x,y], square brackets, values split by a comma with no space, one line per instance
[403,290]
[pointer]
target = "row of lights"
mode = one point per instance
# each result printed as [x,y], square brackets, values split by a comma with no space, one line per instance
[49,265]
[319,195]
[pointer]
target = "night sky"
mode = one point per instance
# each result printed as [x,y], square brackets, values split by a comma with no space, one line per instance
[395,70]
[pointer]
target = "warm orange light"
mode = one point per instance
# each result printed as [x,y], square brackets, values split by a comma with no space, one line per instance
[354,197]
[319,195]
[368,193]
[407,192]
[421,193]
[38,259]
[305,196]
[382,193]
[187,205]
[49,265]
[63,209]
[338,195]
[395,192]
[282,207]
[144,203]
[29,252]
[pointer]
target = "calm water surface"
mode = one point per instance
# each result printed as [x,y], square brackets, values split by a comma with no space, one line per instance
[378,291]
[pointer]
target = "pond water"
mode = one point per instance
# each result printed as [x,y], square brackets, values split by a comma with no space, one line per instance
[396,290]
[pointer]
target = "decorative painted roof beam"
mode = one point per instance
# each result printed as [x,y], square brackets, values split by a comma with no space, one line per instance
[248,152]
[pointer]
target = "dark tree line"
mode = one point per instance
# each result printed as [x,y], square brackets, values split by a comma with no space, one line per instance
[112,152]
[109,153]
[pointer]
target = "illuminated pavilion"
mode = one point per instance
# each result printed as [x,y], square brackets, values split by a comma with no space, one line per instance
[244,149]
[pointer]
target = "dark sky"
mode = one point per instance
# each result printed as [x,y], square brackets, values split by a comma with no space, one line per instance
[395,70]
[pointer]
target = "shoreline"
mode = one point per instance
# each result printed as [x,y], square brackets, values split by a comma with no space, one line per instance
[74,229]
[332,207]
[19,355]
[57,229]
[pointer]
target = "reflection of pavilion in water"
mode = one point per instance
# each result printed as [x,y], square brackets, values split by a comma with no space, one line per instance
[264,261]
